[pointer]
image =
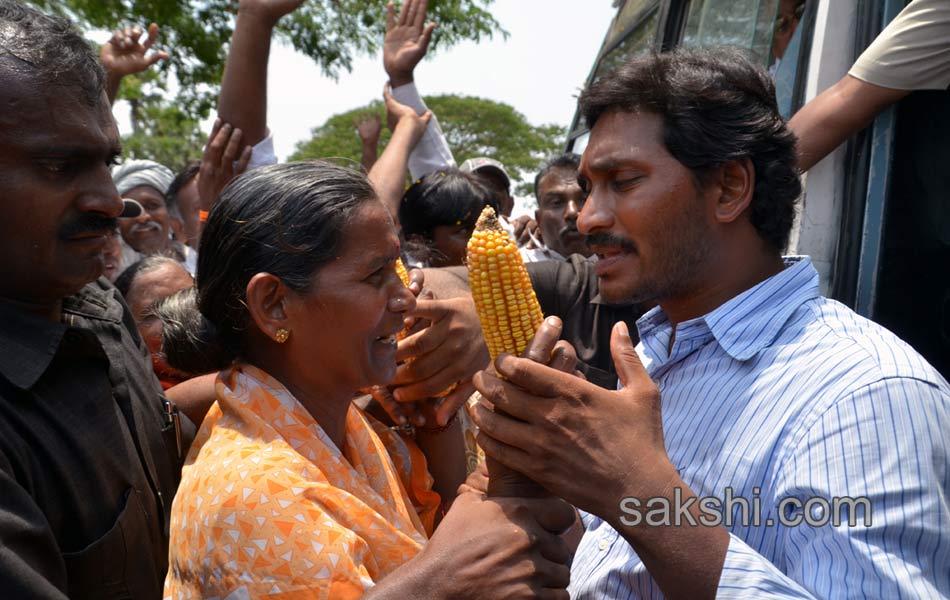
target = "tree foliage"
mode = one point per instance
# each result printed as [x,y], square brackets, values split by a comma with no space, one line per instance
[331,32]
[196,33]
[472,126]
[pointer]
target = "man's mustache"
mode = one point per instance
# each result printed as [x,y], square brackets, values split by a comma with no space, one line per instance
[567,230]
[87,223]
[611,241]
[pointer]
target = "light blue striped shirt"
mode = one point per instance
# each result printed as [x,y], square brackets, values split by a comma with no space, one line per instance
[794,394]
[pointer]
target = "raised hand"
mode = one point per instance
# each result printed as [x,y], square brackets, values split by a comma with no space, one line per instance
[268,10]
[126,54]
[224,158]
[407,40]
[397,113]
[368,127]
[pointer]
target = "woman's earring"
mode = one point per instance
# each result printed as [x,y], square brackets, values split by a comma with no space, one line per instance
[281,335]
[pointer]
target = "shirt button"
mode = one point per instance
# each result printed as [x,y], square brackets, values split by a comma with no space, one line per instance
[603,544]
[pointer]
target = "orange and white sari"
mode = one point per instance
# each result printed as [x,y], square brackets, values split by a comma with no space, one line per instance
[269,507]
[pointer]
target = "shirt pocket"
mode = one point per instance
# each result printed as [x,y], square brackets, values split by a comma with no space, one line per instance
[119,565]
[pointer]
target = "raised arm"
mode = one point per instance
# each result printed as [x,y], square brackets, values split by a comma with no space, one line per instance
[368,127]
[406,43]
[243,99]
[389,173]
[126,54]
[836,114]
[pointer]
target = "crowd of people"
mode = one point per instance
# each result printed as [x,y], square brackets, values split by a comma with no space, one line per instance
[215,383]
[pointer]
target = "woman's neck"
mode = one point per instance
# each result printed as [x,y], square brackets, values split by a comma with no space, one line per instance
[319,393]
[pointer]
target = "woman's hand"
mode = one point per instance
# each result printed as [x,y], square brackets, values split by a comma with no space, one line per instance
[224,159]
[400,115]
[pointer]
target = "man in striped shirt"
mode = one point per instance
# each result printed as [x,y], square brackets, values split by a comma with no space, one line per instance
[747,386]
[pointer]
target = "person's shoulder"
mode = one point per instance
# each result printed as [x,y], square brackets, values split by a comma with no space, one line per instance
[831,337]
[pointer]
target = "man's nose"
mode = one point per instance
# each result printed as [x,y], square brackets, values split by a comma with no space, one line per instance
[100,195]
[570,213]
[595,215]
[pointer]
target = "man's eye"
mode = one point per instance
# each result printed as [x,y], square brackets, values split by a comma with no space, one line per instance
[54,166]
[626,183]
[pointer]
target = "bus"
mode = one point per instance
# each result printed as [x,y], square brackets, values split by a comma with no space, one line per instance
[874,215]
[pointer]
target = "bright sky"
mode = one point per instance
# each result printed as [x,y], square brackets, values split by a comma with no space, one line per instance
[538,70]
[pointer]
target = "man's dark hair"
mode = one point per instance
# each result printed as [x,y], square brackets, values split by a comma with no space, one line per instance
[49,50]
[181,180]
[568,160]
[717,106]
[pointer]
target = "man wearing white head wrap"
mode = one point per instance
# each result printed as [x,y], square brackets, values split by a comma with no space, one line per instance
[146,182]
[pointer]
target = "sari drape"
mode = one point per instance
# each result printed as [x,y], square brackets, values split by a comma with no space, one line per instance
[269,507]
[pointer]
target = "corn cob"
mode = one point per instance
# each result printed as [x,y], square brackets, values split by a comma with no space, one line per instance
[510,315]
[404,275]
[504,298]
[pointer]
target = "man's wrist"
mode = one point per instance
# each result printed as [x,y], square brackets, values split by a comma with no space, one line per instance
[399,79]
[659,481]
[258,16]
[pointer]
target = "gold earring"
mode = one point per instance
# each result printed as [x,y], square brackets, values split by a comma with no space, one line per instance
[281,335]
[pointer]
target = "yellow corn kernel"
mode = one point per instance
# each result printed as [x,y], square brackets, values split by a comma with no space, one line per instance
[504,298]
[404,275]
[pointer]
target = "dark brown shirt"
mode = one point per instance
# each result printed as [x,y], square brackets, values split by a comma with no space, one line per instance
[88,463]
[568,290]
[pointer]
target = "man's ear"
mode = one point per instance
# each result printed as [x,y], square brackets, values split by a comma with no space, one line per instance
[178,229]
[537,219]
[736,183]
[267,297]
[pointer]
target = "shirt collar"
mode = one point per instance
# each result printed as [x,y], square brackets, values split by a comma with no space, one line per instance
[27,345]
[749,322]
[28,342]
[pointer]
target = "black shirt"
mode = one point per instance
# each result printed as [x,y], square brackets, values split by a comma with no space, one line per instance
[88,462]
[568,290]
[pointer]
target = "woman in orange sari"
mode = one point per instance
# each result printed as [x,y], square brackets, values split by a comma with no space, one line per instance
[290,490]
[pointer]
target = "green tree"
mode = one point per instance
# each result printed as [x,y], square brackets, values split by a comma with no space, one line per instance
[472,126]
[331,32]
[196,35]
[161,130]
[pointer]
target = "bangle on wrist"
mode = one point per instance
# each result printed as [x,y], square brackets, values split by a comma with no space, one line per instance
[438,429]
[409,430]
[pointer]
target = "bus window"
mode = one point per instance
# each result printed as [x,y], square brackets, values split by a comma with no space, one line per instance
[745,24]
[641,38]
[790,47]
[627,17]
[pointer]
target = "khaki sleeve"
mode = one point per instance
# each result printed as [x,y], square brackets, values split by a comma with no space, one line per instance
[913,51]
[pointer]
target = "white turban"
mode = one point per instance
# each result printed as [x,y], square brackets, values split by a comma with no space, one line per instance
[133,173]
